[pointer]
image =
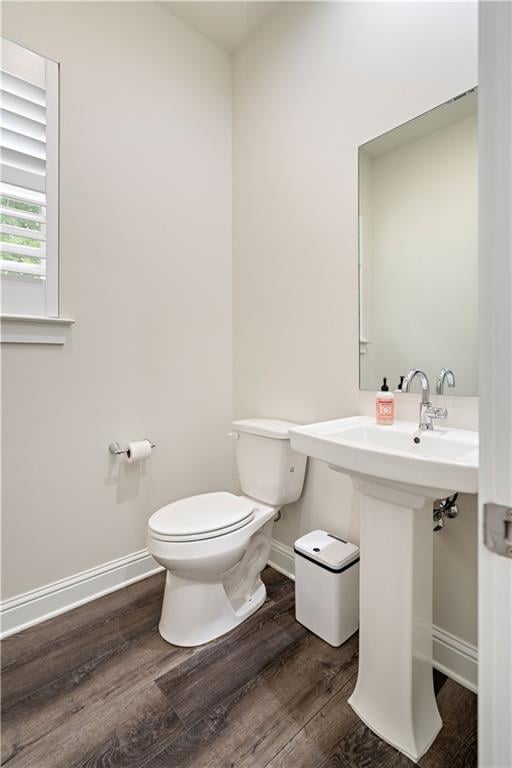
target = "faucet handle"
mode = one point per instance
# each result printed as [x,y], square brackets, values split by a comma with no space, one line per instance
[433,412]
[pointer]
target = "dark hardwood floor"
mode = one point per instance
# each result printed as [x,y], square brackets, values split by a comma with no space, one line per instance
[98,687]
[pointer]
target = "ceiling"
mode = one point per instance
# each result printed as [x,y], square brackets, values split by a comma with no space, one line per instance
[228,24]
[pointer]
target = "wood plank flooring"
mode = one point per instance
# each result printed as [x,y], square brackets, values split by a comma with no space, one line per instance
[99,688]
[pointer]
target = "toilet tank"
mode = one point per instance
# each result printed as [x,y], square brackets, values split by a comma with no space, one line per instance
[268,469]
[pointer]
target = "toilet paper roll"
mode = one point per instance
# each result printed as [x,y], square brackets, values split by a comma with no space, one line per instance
[138,450]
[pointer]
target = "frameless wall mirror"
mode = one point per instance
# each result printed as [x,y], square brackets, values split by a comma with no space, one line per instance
[418,268]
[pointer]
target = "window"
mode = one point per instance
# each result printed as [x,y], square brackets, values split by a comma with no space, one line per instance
[29,183]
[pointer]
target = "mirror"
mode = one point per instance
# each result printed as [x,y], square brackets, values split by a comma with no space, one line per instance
[418,249]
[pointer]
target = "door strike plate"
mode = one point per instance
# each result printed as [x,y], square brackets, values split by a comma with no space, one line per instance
[498,529]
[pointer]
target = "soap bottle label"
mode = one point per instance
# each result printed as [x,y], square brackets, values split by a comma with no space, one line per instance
[385,411]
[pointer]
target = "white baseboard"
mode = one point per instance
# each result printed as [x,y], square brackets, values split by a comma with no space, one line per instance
[455,658]
[282,559]
[33,607]
[452,656]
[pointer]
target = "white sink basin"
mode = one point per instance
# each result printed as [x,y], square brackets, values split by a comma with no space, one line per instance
[398,479]
[441,461]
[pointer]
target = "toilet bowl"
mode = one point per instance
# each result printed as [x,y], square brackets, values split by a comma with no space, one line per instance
[213,577]
[215,545]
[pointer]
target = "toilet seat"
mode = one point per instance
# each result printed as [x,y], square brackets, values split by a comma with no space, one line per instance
[205,516]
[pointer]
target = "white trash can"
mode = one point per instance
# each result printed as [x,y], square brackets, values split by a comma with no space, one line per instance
[327,586]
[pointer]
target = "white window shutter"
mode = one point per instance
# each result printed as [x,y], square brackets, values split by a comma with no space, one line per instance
[23,133]
[29,182]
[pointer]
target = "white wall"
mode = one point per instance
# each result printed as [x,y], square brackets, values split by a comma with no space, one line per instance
[146,272]
[421,258]
[313,84]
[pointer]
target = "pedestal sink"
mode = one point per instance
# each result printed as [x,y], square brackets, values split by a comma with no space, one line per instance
[399,471]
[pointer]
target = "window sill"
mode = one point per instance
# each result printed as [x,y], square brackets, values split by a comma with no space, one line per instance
[26,329]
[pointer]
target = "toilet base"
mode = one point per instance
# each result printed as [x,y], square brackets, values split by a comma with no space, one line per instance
[194,613]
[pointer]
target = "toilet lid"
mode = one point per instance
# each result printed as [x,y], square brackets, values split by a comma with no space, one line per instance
[206,515]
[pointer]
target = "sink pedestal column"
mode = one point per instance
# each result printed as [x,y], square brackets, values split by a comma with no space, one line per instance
[394,694]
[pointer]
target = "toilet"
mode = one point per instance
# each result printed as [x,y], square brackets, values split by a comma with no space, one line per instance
[215,545]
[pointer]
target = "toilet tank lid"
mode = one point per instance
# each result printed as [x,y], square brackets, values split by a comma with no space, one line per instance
[265,427]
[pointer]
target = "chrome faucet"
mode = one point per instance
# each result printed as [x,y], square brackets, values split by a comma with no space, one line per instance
[428,412]
[445,374]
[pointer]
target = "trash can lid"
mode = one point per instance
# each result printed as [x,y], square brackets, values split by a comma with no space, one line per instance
[327,549]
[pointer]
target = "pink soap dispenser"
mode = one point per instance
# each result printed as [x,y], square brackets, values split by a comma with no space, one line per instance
[385,405]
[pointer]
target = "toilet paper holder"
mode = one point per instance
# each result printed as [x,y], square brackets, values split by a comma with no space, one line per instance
[116,450]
